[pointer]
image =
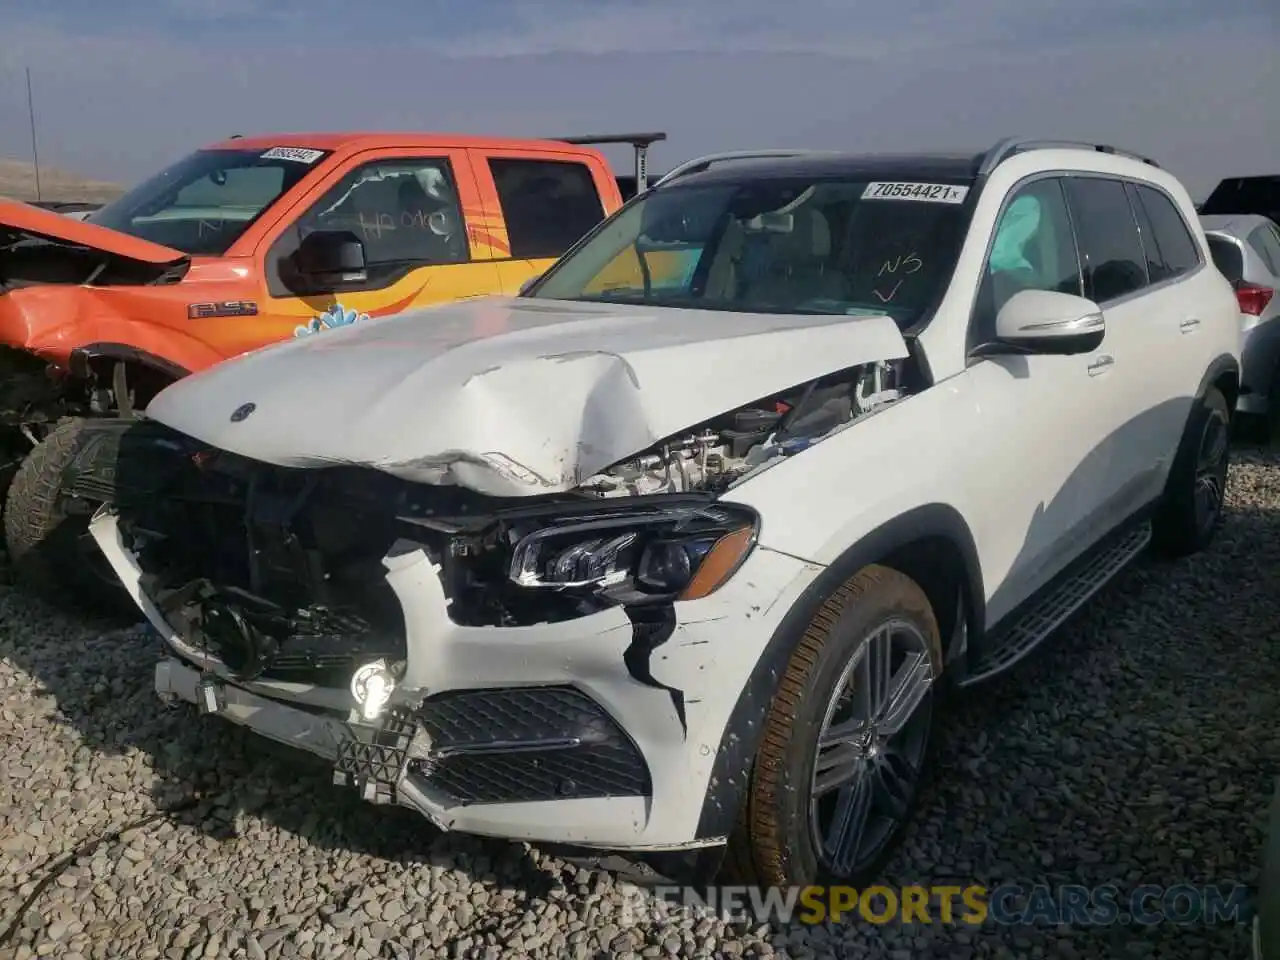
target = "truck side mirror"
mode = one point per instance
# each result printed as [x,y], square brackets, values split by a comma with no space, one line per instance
[331,257]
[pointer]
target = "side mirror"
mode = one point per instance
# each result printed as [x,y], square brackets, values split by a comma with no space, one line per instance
[1044,321]
[331,256]
[528,284]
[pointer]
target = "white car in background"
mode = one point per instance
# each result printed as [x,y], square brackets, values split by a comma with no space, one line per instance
[672,552]
[1246,248]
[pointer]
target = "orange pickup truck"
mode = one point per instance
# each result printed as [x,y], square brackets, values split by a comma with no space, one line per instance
[241,244]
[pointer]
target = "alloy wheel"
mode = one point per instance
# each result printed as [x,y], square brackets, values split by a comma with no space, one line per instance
[871,748]
[1211,471]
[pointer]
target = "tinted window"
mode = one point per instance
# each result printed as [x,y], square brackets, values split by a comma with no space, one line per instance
[1156,268]
[1032,248]
[770,246]
[203,203]
[1226,257]
[1110,248]
[1178,247]
[548,205]
[1264,241]
[405,210]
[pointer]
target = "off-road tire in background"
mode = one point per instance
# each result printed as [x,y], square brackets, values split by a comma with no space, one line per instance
[45,539]
[1179,528]
[773,843]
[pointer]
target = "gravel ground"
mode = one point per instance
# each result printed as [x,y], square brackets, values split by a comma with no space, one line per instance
[1137,749]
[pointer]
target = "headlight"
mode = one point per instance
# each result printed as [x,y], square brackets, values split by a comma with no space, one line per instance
[678,553]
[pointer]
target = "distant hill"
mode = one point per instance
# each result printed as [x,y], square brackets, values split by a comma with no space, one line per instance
[18,182]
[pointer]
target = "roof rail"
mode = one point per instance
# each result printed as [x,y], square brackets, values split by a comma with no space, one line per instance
[698,164]
[640,142]
[1009,146]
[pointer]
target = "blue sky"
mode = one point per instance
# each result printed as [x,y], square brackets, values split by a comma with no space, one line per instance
[127,85]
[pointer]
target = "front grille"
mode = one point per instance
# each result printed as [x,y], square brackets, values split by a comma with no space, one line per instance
[527,744]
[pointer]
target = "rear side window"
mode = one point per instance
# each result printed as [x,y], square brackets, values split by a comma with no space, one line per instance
[1178,249]
[1227,258]
[1156,269]
[548,205]
[1264,241]
[1107,234]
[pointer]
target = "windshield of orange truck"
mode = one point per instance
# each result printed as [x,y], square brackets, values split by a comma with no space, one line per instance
[202,204]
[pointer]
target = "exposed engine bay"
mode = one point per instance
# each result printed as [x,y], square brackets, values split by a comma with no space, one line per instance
[713,456]
[280,572]
[30,260]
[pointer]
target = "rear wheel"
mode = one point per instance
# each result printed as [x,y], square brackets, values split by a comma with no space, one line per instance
[47,533]
[846,741]
[1191,511]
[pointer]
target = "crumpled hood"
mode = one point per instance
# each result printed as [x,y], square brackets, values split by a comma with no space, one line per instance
[24,219]
[509,397]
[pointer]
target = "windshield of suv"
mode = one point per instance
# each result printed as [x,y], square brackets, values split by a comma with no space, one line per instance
[203,203]
[773,246]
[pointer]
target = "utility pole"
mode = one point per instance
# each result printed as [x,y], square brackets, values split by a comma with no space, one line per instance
[35,151]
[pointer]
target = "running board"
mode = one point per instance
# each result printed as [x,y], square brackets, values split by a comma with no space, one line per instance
[1093,572]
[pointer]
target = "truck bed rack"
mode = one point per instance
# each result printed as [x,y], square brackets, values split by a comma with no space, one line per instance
[640,143]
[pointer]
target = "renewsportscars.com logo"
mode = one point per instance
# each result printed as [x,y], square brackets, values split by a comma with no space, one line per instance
[971,905]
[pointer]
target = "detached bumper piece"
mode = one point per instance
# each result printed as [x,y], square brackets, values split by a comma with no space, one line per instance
[525,744]
[375,768]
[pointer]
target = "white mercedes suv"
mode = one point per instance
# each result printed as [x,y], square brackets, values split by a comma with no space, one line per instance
[673,551]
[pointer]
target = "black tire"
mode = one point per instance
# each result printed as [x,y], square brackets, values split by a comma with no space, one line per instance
[774,843]
[1191,510]
[47,535]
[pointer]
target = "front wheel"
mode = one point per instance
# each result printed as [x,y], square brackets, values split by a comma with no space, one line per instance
[846,740]
[1191,510]
[47,533]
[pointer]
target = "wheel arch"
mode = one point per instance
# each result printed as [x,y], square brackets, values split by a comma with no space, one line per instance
[150,372]
[934,546]
[1223,373]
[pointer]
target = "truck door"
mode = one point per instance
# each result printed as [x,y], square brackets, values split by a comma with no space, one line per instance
[539,205]
[411,211]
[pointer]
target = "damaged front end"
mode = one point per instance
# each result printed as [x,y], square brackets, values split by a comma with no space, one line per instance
[447,649]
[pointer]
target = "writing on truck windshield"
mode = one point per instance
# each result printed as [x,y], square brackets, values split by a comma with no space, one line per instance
[794,246]
[203,203]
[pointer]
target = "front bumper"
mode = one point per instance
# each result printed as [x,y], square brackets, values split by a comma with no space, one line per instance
[573,732]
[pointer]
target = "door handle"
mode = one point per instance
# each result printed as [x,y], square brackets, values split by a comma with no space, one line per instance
[1101,365]
[1189,324]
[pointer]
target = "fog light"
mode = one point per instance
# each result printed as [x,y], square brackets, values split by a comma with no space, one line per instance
[371,686]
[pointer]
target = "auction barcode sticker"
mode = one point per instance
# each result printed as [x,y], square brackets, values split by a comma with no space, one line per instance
[926,192]
[300,154]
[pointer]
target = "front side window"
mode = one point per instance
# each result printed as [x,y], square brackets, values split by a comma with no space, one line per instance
[1032,248]
[205,202]
[405,211]
[1107,235]
[772,246]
